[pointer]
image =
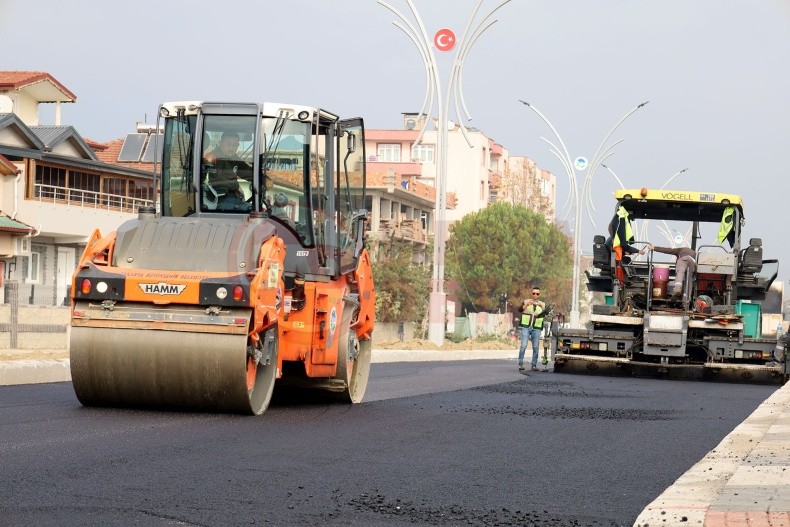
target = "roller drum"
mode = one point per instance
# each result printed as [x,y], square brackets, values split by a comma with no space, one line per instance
[166,369]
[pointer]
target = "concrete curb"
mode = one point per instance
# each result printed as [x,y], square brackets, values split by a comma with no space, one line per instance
[34,371]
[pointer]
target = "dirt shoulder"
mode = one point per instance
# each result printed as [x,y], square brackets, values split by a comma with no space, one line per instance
[468,344]
[413,344]
[33,354]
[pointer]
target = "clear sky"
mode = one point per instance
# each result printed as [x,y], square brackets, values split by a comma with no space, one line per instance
[715,72]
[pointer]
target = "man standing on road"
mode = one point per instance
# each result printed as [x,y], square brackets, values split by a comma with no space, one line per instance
[531,325]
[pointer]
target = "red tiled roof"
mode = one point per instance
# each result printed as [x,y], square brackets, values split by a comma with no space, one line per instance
[14,80]
[108,153]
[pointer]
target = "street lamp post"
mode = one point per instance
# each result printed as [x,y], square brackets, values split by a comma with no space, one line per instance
[437,303]
[577,196]
[666,232]
[664,229]
[668,181]
[614,176]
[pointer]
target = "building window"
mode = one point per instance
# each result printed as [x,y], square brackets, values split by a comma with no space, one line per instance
[114,191]
[545,188]
[50,182]
[33,263]
[388,153]
[84,187]
[76,186]
[423,153]
[141,190]
[84,181]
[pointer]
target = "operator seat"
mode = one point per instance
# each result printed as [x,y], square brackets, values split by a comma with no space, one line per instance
[602,254]
[751,258]
[603,260]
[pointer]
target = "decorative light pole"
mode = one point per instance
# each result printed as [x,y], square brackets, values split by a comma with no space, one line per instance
[668,181]
[666,230]
[580,164]
[614,176]
[444,40]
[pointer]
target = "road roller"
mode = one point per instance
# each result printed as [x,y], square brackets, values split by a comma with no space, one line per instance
[249,275]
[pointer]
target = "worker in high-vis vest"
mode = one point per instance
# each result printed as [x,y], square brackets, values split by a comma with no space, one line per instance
[622,236]
[533,310]
[726,230]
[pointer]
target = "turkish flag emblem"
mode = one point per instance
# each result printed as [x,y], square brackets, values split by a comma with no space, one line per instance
[444,39]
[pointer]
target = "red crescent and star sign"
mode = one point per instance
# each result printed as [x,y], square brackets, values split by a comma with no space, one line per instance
[444,39]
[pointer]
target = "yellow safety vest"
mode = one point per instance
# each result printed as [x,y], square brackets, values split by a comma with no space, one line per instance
[622,215]
[531,317]
[727,223]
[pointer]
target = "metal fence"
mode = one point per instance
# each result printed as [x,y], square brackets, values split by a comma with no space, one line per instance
[34,294]
[88,198]
[31,327]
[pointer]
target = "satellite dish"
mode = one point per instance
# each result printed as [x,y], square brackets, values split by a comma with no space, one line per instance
[6,104]
[410,124]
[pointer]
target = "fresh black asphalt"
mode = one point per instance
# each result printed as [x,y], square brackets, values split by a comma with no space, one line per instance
[439,444]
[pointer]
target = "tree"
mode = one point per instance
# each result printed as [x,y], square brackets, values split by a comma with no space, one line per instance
[508,249]
[402,286]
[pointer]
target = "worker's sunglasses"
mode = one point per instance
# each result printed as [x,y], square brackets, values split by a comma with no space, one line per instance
[535,294]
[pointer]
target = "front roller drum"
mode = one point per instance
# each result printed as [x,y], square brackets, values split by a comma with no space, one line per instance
[172,369]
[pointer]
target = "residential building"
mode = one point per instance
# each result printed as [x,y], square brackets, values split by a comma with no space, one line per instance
[402,175]
[524,183]
[54,189]
[401,211]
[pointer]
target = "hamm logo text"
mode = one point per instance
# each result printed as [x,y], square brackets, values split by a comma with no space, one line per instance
[162,288]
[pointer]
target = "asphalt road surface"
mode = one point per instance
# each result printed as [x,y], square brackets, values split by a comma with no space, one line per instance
[439,444]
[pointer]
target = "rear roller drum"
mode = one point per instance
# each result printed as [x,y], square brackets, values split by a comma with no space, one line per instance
[353,359]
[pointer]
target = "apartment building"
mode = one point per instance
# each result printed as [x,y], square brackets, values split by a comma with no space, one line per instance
[54,189]
[527,184]
[479,172]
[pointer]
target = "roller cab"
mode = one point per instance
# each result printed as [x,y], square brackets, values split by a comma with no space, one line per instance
[251,269]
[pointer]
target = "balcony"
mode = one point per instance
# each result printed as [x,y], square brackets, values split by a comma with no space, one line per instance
[71,215]
[408,231]
[379,171]
[90,199]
